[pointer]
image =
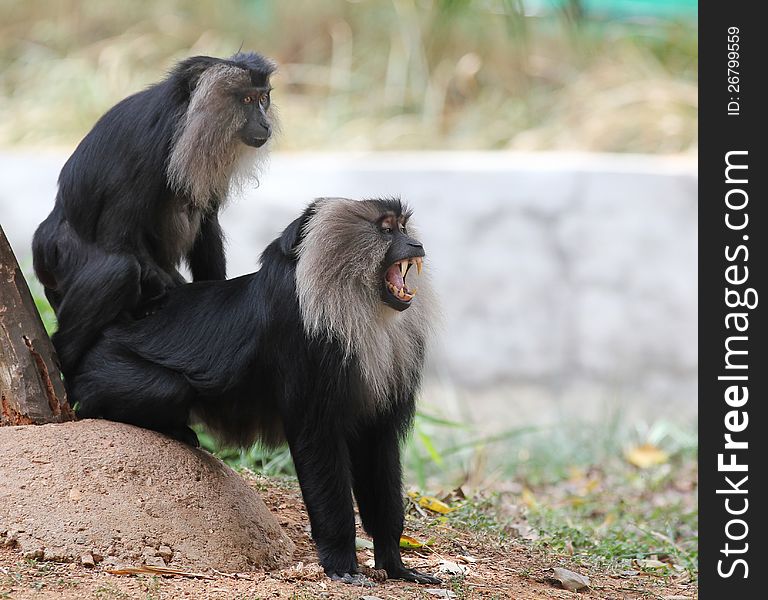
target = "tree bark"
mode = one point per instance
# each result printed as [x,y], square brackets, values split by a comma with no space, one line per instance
[31,388]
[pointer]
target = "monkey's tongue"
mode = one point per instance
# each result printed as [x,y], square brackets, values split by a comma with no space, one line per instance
[395,276]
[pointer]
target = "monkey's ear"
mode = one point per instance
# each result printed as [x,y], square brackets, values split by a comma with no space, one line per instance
[293,234]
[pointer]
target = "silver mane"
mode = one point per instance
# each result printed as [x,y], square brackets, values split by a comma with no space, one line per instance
[339,279]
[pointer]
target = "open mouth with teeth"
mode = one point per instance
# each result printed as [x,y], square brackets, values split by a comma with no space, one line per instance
[396,291]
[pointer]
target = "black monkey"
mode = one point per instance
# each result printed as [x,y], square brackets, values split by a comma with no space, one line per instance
[324,345]
[142,192]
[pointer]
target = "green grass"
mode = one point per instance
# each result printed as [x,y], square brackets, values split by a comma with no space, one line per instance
[628,519]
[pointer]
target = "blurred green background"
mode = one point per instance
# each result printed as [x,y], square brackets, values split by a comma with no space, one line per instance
[594,75]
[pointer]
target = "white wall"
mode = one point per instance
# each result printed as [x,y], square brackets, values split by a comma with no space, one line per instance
[568,282]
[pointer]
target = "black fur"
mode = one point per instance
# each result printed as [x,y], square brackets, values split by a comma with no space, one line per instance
[105,247]
[235,354]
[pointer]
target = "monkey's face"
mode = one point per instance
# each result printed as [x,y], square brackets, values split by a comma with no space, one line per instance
[355,256]
[255,103]
[404,253]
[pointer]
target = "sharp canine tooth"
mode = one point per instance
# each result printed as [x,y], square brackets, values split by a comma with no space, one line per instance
[403,267]
[418,265]
[400,293]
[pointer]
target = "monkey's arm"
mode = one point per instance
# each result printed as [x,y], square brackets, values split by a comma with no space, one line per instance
[206,259]
[378,488]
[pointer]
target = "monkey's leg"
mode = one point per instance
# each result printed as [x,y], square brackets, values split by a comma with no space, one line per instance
[377,477]
[207,259]
[105,286]
[113,385]
[322,465]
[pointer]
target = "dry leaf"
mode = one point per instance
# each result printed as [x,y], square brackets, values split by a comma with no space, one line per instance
[446,566]
[646,456]
[528,498]
[440,593]
[650,563]
[363,544]
[571,581]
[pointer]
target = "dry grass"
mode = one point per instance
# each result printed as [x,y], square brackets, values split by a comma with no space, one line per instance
[399,74]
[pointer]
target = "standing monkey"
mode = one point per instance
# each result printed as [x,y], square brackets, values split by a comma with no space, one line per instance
[323,347]
[142,191]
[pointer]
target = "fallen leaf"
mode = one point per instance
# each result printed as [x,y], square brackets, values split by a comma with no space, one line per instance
[629,573]
[524,531]
[406,541]
[440,593]
[646,456]
[447,566]
[466,558]
[528,498]
[363,544]
[374,574]
[434,505]
[571,581]
[650,563]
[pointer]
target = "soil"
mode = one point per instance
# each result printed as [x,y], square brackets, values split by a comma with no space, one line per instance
[96,491]
[493,567]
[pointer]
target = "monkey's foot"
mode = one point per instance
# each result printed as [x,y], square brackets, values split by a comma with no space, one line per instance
[414,576]
[183,434]
[357,579]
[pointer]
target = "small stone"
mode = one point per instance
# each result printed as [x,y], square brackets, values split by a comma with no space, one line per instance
[570,580]
[36,554]
[165,553]
[154,561]
[54,555]
[87,560]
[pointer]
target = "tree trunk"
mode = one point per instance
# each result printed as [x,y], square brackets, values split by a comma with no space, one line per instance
[31,389]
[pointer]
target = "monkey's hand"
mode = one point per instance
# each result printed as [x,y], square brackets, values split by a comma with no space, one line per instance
[155,282]
[357,579]
[403,572]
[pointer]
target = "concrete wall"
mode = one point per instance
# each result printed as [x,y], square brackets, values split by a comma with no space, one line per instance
[568,282]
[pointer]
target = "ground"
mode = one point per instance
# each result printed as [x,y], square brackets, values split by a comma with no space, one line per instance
[496,565]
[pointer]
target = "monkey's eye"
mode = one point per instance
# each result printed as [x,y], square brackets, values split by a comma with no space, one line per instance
[264,100]
[247,99]
[387,225]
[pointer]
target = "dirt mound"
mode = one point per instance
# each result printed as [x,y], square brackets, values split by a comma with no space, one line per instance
[97,491]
